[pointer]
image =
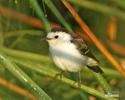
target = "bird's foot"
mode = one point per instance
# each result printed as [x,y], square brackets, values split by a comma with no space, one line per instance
[79,84]
[59,75]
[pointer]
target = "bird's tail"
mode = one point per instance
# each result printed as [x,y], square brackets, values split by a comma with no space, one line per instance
[95,69]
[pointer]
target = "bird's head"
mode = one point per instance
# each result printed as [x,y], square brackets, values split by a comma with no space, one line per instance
[57,36]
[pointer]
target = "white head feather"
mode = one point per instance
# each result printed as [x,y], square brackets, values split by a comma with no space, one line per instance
[56,38]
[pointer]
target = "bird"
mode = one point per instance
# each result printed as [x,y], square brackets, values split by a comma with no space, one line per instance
[69,52]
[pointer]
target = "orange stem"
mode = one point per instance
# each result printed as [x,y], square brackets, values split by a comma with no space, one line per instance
[22,17]
[17,89]
[112,28]
[86,29]
[116,47]
[1,98]
[82,34]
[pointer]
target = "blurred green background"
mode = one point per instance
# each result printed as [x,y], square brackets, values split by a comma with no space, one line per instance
[17,35]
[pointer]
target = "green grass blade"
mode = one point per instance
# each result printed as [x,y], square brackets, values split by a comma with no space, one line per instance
[1,34]
[40,14]
[103,82]
[99,8]
[120,3]
[57,14]
[24,78]
[43,70]
[26,55]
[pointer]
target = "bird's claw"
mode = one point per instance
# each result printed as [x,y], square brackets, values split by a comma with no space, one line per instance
[59,74]
[79,84]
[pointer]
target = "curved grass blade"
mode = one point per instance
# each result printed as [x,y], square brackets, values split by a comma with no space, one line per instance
[24,78]
[57,14]
[40,13]
[99,8]
[44,70]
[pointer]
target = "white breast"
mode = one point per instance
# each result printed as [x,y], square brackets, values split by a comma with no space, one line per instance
[67,57]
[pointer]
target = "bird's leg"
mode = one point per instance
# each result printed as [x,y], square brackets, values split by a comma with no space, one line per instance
[79,81]
[59,74]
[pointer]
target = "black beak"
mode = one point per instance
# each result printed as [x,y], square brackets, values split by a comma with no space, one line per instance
[43,39]
[46,38]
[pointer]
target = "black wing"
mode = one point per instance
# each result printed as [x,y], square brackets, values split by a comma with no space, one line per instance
[84,50]
[82,47]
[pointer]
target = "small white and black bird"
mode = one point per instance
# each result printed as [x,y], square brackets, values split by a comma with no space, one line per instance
[69,52]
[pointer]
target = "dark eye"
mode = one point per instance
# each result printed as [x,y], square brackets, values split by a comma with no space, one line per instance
[56,36]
